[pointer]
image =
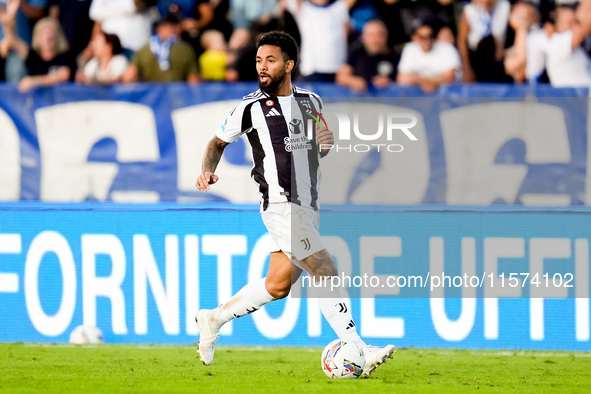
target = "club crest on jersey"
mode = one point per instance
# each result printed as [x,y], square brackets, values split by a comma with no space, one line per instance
[295,126]
[270,103]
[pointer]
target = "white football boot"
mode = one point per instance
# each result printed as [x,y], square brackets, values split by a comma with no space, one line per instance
[207,336]
[375,355]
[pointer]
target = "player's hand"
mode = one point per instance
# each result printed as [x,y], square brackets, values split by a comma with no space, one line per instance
[205,179]
[325,139]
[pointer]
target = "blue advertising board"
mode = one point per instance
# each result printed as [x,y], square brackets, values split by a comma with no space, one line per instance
[140,273]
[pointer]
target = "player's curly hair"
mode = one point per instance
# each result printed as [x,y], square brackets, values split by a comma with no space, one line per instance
[288,46]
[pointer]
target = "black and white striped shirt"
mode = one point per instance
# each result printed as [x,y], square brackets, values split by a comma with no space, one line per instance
[281,132]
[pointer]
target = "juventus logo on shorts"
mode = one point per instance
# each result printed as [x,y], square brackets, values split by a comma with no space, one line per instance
[306,243]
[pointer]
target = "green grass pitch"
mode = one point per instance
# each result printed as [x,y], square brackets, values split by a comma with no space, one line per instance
[129,368]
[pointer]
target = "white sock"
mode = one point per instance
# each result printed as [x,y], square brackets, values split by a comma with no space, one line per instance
[337,312]
[249,299]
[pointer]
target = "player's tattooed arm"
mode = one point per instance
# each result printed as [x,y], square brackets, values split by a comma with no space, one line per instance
[211,159]
[213,154]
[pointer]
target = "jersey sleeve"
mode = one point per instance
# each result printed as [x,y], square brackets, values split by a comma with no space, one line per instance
[318,104]
[231,129]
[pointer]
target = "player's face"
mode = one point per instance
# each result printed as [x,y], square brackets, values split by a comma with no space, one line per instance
[271,67]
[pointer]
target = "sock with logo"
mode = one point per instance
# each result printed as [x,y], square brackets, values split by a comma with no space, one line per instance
[248,299]
[337,312]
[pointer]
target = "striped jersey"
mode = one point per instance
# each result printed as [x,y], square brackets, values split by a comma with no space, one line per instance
[281,132]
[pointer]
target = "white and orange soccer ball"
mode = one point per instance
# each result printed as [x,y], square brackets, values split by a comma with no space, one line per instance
[342,360]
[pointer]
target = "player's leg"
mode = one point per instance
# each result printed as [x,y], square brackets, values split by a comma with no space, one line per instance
[334,307]
[281,275]
[337,310]
[249,299]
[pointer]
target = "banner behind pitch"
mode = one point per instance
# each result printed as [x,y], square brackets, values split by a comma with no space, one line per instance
[141,272]
[476,145]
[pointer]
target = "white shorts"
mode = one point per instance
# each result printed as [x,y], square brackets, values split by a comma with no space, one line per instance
[294,229]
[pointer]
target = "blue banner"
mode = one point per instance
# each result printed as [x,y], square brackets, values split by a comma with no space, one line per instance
[479,144]
[140,273]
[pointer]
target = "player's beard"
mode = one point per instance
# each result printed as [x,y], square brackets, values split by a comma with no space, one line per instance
[273,83]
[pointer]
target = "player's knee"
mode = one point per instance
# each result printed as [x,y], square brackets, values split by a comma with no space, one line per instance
[279,293]
[278,290]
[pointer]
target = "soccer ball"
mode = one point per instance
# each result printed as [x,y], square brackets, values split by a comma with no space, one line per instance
[342,360]
[86,334]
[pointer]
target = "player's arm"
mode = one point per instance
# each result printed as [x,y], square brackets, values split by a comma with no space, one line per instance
[211,159]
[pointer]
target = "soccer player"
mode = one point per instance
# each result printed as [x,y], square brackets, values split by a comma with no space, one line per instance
[286,168]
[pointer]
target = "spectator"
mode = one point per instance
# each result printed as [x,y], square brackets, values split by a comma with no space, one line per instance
[28,13]
[108,63]
[196,16]
[246,12]
[214,59]
[426,62]
[525,21]
[241,59]
[221,22]
[360,12]
[323,26]
[166,58]
[566,63]
[290,26]
[74,20]
[401,17]
[47,58]
[481,40]
[371,61]
[130,20]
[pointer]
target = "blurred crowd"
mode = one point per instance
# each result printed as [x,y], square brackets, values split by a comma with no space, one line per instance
[360,44]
